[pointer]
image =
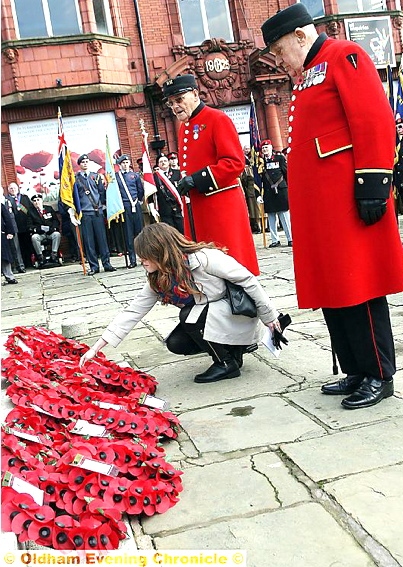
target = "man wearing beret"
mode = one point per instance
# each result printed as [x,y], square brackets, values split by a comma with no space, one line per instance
[347,250]
[211,160]
[132,192]
[91,192]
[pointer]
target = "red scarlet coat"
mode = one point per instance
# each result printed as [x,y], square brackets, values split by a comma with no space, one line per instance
[342,138]
[210,151]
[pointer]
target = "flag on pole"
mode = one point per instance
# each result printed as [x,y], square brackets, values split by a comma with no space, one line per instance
[148,177]
[389,87]
[68,193]
[254,144]
[114,203]
[399,96]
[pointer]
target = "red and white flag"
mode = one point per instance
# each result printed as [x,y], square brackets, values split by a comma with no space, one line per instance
[148,177]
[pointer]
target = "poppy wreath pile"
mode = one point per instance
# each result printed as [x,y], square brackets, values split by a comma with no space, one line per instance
[81,509]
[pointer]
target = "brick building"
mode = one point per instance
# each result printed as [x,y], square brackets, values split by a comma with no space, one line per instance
[103,63]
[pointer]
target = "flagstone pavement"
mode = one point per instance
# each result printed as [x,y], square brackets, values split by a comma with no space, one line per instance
[270,465]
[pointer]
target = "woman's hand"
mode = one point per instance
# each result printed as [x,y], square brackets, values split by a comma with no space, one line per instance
[274,325]
[87,356]
[277,334]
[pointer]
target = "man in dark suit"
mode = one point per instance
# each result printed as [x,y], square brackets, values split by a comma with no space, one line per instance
[43,224]
[21,204]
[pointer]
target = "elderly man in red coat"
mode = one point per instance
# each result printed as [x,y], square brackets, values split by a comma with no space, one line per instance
[212,160]
[347,250]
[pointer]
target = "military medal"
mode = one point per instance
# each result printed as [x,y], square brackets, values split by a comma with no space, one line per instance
[195,131]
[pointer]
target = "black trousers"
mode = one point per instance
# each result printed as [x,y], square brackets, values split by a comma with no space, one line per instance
[362,338]
[187,338]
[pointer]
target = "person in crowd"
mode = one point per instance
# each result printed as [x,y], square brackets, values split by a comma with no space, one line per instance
[211,160]
[43,224]
[173,160]
[192,276]
[8,232]
[132,192]
[14,244]
[273,170]
[252,194]
[342,212]
[91,191]
[21,204]
[165,204]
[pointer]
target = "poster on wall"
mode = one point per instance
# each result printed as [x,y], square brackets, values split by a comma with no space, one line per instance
[240,115]
[375,36]
[35,149]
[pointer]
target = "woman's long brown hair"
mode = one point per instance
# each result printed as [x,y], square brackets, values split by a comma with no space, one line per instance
[168,248]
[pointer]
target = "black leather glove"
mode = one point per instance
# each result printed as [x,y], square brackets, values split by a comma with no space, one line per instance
[185,185]
[278,337]
[371,210]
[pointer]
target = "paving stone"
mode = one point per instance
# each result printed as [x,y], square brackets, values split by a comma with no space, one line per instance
[243,492]
[300,536]
[380,490]
[247,423]
[353,451]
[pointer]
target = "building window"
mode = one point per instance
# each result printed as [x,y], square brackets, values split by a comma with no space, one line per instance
[46,18]
[314,7]
[205,19]
[354,6]
[102,16]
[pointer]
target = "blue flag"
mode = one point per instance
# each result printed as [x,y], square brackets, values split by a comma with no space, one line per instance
[114,203]
[254,144]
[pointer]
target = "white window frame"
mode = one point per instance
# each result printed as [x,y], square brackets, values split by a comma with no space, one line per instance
[48,22]
[108,16]
[205,22]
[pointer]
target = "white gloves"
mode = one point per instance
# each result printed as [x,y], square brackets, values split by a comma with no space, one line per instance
[154,212]
[72,216]
[259,200]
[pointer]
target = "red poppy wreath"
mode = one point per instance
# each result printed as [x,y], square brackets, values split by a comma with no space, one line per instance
[80,448]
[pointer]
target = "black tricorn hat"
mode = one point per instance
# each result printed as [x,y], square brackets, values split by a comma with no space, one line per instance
[181,84]
[284,22]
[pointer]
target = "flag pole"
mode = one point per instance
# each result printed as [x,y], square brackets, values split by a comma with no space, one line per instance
[149,179]
[120,221]
[80,249]
[256,140]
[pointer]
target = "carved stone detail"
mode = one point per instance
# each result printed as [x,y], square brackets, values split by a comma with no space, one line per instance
[95,47]
[397,22]
[221,69]
[333,28]
[10,55]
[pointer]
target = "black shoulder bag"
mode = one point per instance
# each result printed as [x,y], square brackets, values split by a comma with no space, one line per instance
[241,303]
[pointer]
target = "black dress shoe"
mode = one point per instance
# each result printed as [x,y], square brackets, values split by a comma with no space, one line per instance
[132,265]
[275,244]
[21,270]
[109,268]
[219,371]
[370,392]
[347,385]
[11,280]
[92,272]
